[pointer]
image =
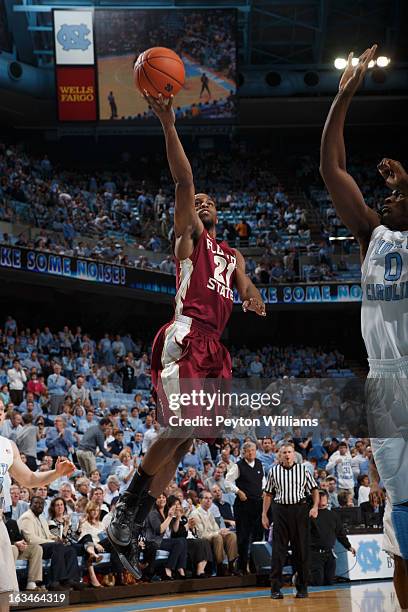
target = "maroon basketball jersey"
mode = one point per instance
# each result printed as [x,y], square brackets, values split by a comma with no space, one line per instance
[205,282]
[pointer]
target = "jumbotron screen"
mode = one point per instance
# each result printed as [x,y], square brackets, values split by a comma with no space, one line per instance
[205,41]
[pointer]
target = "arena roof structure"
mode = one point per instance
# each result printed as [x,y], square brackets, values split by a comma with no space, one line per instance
[295,33]
[286,48]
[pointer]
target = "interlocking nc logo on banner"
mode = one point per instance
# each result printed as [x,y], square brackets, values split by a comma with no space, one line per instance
[72,37]
[74,44]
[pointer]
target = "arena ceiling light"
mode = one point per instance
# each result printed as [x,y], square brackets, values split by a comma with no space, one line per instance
[340,63]
[383,61]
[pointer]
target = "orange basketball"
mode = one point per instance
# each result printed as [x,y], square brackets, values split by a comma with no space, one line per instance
[159,70]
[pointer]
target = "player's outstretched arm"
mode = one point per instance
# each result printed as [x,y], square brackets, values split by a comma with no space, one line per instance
[346,195]
[26,478]
[185,215]
[249,294]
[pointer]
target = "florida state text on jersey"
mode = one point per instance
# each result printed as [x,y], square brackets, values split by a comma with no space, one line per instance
[205,283]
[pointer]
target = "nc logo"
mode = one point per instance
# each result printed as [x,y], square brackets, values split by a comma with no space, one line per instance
[74,37]
[368,556]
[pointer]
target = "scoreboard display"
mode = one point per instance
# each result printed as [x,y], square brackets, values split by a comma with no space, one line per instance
[95,51]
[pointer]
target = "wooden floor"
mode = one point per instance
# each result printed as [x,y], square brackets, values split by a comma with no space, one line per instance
[362,597]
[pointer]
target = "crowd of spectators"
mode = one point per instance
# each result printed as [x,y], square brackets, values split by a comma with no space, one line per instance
[293,361]
[109,216]
[143,215]
[363,169]
[117,209]
[68,395]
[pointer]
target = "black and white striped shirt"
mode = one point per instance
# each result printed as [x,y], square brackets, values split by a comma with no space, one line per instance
[289,485]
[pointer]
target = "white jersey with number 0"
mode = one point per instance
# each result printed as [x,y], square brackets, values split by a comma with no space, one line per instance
[384,281]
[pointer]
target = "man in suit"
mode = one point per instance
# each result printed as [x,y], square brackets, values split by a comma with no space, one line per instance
[64,571]
[223,541]
[30,552]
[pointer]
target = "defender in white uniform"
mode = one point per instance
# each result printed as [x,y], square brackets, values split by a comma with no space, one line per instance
[10,462]
[383,239]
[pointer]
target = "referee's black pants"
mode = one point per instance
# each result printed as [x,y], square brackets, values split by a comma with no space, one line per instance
[290,524]
[248,524]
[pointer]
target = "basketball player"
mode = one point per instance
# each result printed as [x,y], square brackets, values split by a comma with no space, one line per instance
[205,85]
[383,242]
[10,462]
[189,346]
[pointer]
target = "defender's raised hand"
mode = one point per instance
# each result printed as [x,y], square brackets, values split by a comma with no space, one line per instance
[394,174]
[353,75]
[64,467]
[162,108]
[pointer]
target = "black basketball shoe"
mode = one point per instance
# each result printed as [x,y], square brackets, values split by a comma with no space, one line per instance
[120,529]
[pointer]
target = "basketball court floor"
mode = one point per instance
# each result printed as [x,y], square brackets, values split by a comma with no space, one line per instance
[361,597]
[115,73]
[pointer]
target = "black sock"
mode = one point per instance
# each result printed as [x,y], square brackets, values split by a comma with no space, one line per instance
[139,482]
[144,508]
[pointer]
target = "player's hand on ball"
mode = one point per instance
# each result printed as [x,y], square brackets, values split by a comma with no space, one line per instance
[353,75]
[64,467]
[255,305]
[162,108]
[394,174]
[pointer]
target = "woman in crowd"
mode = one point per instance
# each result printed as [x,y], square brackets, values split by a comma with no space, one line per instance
[158,536]
[60,524]
[95,479]
[25,494]
[93,526]
[191,502]
[192,459]
[192,482]
[373,509]
[97,495]
[68,414]
[198,549]
[127,468]
[4,394]
[112,488]
[35,386]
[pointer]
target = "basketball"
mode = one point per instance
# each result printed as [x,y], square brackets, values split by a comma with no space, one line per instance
[159,71]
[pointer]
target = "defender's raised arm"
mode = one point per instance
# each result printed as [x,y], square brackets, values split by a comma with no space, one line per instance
[346,195]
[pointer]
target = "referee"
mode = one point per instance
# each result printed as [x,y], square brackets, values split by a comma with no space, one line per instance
[287,485]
